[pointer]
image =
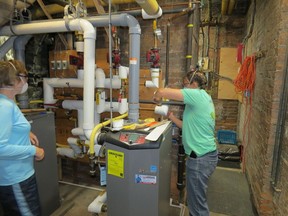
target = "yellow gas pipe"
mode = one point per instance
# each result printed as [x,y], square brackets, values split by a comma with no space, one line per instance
[98,127]
[227,7]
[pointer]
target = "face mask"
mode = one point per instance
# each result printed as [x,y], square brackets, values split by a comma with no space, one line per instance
[24,88]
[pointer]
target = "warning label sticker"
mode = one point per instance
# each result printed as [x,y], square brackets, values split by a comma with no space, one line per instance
[115,164]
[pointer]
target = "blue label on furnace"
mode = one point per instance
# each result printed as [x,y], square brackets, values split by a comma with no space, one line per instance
[153,168]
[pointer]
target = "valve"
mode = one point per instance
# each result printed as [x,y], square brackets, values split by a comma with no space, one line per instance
[153,57]
[115,58]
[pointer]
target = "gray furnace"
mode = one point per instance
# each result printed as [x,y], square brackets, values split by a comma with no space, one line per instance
[138,173]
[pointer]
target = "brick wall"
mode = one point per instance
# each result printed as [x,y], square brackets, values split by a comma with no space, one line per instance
[269,35]
[226,114]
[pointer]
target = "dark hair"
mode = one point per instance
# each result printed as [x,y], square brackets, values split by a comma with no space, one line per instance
[197,76]
[9,71]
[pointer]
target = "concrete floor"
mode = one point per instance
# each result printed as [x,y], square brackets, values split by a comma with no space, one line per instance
[228,194]
[75,201]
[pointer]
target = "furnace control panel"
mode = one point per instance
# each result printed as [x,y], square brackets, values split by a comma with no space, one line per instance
[132,138]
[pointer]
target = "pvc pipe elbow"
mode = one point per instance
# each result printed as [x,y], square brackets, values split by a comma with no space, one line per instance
[100,78]
[154,16]
[123,72]
[150,84]
[123,106]
[77,132]
[116,83]
[48,92]
[96,205]
[87,133]
[88,29]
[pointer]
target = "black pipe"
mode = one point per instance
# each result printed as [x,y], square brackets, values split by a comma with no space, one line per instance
[280,127]
[167,55]
[181,167]
[189,40]
[195,35]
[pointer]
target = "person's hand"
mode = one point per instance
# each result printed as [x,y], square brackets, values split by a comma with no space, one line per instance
[39,154]
[33,139]
[156,98]
[170,115]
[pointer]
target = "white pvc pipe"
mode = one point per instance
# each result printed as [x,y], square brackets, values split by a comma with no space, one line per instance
[48,92]
[123,106]
[78,132]
[89,80]
[78,105]
[155,16]
[116,83]
[50,83]
[52,26]
[73,143]
[103,106]
[72,104]
[100,78]
[150,84]
[80,74]
[83,186]
[155,78]
[123,72]
[113,108]
[96,205]
[67,152]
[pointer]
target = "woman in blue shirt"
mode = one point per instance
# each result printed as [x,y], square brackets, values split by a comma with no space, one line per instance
[18,146]
[197,135]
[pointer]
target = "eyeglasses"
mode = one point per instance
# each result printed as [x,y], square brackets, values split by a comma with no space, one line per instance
[185,84]
[188,82]
[23,76]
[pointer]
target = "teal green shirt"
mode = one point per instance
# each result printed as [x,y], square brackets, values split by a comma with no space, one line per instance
[198,122]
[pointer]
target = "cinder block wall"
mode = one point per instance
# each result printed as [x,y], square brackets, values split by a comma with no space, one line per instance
[269,35]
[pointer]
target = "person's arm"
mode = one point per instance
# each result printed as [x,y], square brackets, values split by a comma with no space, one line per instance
[39,155]
[8,150]
[33,139]
[174,119]
[167,93]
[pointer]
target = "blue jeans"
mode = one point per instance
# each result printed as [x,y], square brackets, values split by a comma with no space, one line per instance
[198,171]
[21,199]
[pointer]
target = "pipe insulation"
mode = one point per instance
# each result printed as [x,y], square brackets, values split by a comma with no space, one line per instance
[97,205]
[50,83]
[89,55]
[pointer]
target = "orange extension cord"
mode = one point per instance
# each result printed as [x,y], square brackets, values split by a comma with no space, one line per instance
[244,83]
